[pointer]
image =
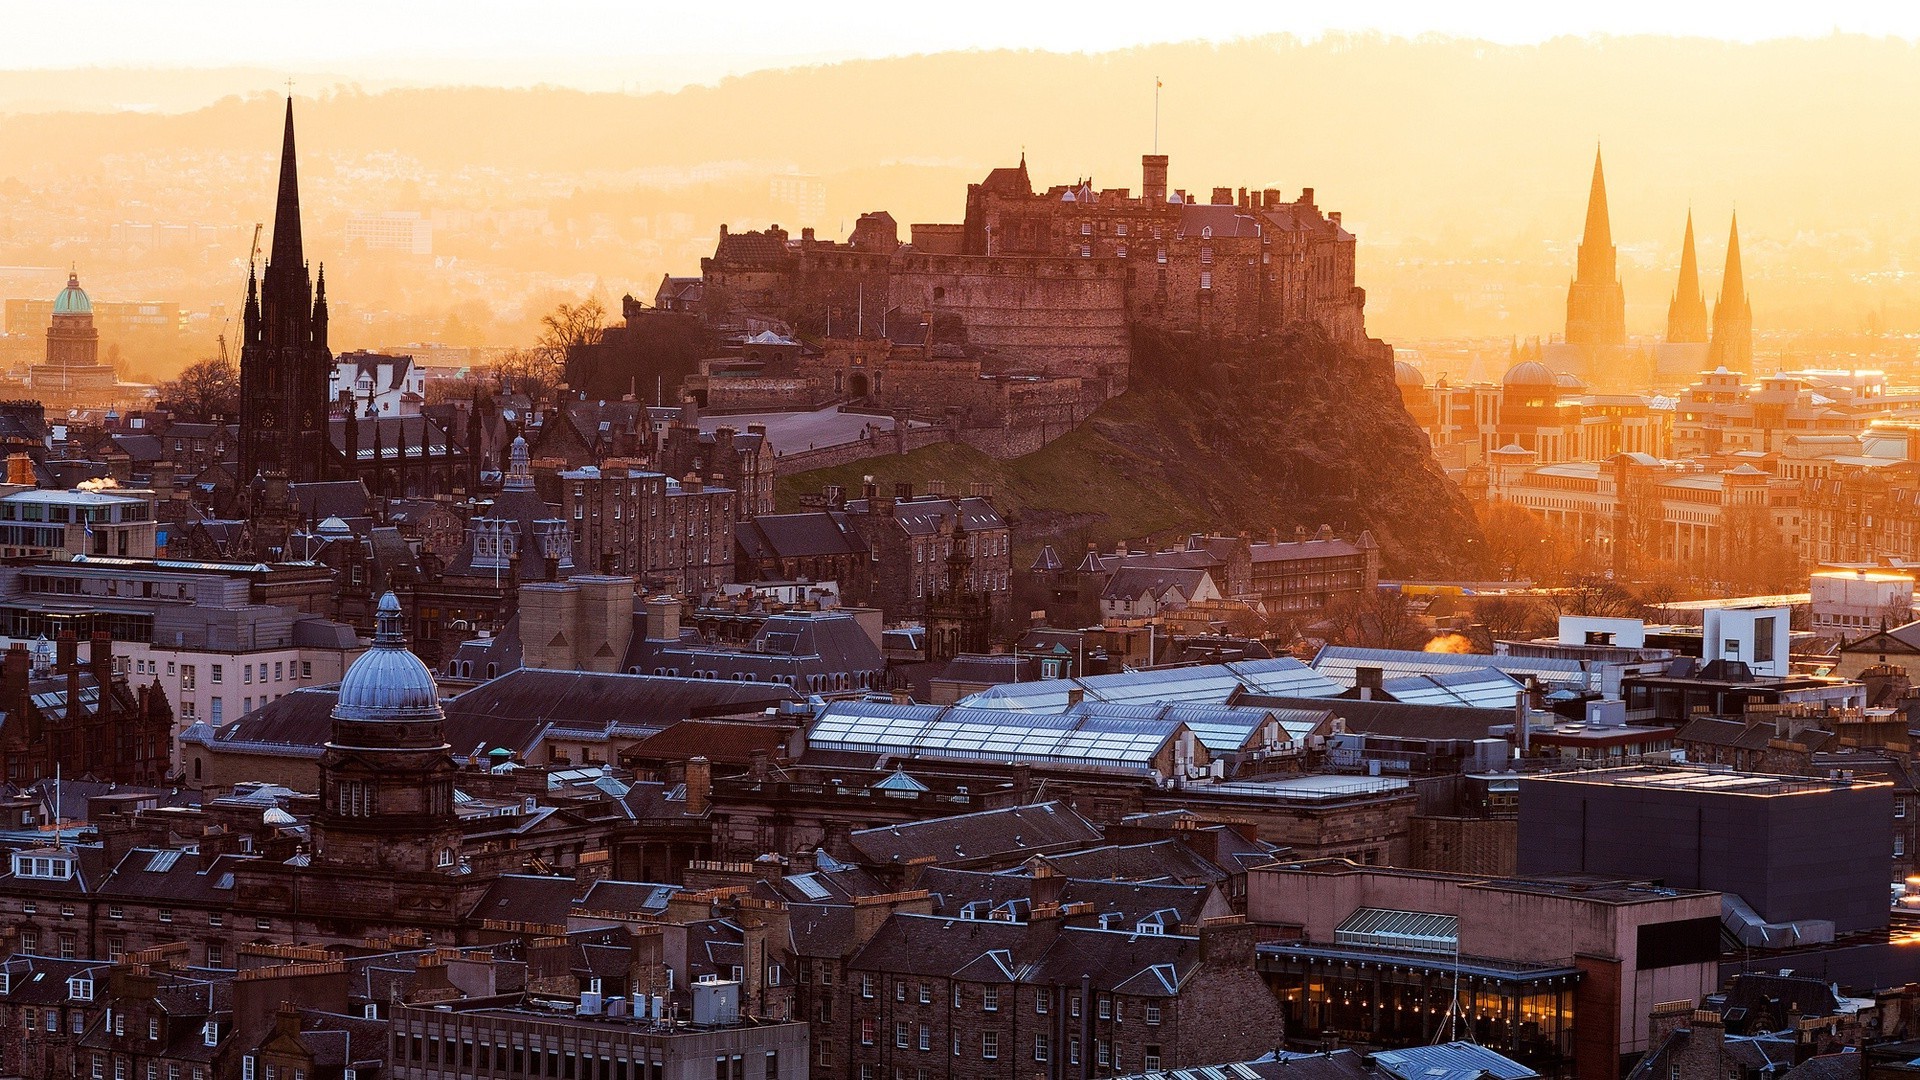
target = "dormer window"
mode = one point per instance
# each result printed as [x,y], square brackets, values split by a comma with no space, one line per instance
[43,866]
[80,988]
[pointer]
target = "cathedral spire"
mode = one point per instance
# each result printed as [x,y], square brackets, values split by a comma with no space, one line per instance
[1599,232]
[1596,304]
[1732,345]
[1687,313]
[286,212]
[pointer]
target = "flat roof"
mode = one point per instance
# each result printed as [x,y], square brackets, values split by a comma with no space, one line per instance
[1710,781]
[70,498]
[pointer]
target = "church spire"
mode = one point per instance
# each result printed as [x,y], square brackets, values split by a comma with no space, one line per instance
[1687,313]
[1596,304]
[286,213]
[1599,232]
[1732,345]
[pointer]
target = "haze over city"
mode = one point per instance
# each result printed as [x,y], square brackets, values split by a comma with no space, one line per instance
[861,541]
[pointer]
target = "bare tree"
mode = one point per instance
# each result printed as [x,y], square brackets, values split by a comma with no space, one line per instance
[206,390]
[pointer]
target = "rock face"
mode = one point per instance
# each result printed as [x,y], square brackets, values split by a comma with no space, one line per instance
[1290,430]
[1295,429]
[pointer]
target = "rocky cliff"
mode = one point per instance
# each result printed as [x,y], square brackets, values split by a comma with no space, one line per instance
[1291,430]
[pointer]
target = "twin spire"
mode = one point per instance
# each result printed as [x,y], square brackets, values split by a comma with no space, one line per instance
[1596,305]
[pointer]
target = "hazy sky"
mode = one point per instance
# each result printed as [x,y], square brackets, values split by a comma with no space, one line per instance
[649,45]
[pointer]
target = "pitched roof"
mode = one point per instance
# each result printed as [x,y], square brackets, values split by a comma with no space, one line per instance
[1014,832]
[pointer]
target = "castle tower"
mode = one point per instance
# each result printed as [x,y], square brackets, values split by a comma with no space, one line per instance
[1687,313]
[386,776]
[1596,304]
[284,359]
[1732,344]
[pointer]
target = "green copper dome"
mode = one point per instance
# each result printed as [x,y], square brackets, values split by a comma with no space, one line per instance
[72,299]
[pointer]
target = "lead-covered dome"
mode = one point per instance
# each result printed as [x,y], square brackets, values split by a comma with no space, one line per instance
[72,299]
[388,682]
[1529,373]
[1405,374]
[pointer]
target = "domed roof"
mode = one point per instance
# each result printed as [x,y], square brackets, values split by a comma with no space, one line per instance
[388,682]
[1405,374]
[1567,380]
[1528,373]
[72,299]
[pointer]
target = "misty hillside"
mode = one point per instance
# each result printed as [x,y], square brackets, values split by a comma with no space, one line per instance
[1462,165]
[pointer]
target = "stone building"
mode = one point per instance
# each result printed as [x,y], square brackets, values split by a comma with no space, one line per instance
[910,537]
[62,716]
[73,373]
[1055,279]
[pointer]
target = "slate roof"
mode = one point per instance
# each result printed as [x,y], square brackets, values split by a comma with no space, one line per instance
[1015,832]
[792,645]
[811,534]
[720,741]
[643,704]
[1156,861]
[1133,582]
[331,498]
[926,515]
[1745,735]
[1449,1061]
[1397,719]
[527,898]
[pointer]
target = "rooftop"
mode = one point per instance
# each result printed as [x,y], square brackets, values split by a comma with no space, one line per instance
[1713,781]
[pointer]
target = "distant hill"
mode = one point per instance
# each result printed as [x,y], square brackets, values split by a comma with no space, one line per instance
[1462,165]
[1291,431]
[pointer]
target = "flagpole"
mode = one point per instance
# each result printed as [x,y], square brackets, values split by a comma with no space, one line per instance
[1156,114]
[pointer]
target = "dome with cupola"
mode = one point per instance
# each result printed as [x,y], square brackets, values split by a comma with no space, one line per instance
[388,682]
[72,299]
[1529,373]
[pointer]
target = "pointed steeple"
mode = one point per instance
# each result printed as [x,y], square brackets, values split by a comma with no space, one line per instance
[1732,345]
[1596,304]
[1733,283]
[286,212]
[1599,233]
[1687,313]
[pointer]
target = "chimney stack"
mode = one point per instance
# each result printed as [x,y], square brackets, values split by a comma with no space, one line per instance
[699,786]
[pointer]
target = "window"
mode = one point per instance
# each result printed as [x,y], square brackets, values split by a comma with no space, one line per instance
[246,1067]
[216,955]
[153,1029]
[1206,279]
[1152,1063]
[926,994]
[80,988]
[1102,1053]
[246,677]
[959,996]
[216,919]
[990,1045]
[926,1037]
[263,923]
[990,999]
[773,1065]
[1153,1014]
[115,911]
[216,681]
[1900,807]
[866,986]
[900,1034]
[218,713]
[1899,846]
[956,1044]
[186,676]
[1040,1003]
[1106,1007]
[899,990]
[1073,1006]
[866,1031]
[166,914]
[1073,1050]
[1039,1048]
[306,669]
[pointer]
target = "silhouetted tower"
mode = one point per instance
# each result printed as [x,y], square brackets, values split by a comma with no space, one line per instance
[284,357]
[1596,304]
[1732,314]
[1687,314]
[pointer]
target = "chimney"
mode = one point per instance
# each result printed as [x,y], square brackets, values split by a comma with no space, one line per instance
[836,497]
[869,489]
[699,786]
[15,671]
[1153,178]
[903,491]
[68,652]
[663,619]
[692,484]
[1306,196]
[1222,196]
[101,660]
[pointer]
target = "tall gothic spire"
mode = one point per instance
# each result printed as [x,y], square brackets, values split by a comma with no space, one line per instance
[1598,235]
[1732,344]
[1687,313]
[1596,304]
[286,212]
